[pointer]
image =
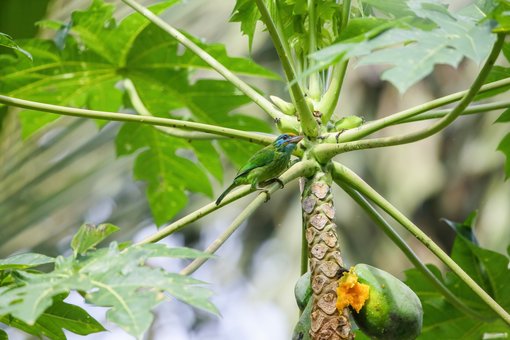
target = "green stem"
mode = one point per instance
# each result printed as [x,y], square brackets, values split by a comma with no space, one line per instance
[194,216]
[346,175]
[123,117]
[142,110]
[308,123]
[329,101]
[346,13]
[304,250]
[325,152]
[408,252]
[468,111]
[282,120]
[218,242]
[314,88]
[376,125]
[299,169]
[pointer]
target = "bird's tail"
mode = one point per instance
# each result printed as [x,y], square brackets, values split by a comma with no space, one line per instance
[222,196]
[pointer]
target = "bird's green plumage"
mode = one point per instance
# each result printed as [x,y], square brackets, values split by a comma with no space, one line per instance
[266,164]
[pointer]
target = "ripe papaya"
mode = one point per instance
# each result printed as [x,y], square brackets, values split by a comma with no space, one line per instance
[392,310]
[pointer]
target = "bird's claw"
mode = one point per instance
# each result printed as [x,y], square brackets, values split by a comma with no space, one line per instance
[268,196]
[271,181]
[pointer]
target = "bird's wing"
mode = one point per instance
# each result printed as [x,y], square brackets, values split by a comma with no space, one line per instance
[259,158]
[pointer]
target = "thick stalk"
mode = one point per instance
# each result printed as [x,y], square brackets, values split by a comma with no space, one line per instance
[123,117]
[346,175]
[325,259]
[297,170]
[408,252]
[283,121]
[308,122]
[327,151]
[138,105]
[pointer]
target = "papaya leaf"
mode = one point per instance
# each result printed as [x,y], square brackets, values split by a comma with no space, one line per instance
[504,118]
[246,13]
[59,316]
[117,279]
[90,235]
[465,228]
[25,261]
[167,175]
[443,320]
[504,147]
[98,53]
[413,53]
[7,41]
[496,73]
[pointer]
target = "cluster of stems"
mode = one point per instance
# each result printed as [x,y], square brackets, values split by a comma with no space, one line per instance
[322,255]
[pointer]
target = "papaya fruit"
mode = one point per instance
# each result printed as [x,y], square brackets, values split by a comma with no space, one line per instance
[392,310]
[303,290]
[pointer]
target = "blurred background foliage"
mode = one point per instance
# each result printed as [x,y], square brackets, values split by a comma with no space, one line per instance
[68,174]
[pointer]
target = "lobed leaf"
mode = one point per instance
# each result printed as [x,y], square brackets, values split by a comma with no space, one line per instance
[55,319]
[94,53]
[504,147]
[7,41]
[109,277]
[444,321]
[25,261]
[90,235]
[413,52]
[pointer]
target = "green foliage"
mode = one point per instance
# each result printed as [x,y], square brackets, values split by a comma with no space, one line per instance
[488,268]
[60,315]
[95,54]
[25,261]
[119,279]
[414,50]
[7,41]
[504,147]
[90,235]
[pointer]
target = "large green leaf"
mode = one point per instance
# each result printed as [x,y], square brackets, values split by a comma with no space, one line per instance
[95,53]
[413,53]
[84,73]
[25,261]
[90,235]
[109,277]
[504,147]
[444,321]
[59,316]
[7,41]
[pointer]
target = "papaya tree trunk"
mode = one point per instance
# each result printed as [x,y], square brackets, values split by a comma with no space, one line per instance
[324,259]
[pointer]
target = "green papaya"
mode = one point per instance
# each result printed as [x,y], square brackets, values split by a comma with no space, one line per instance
[303,294]
[302,329]
[303,290]
[392,311]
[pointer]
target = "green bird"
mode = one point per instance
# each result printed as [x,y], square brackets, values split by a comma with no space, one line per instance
[266,164]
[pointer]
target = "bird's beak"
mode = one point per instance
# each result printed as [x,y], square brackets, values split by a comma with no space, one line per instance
[295,139]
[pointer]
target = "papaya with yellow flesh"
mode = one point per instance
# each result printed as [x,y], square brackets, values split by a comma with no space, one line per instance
[392,310]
